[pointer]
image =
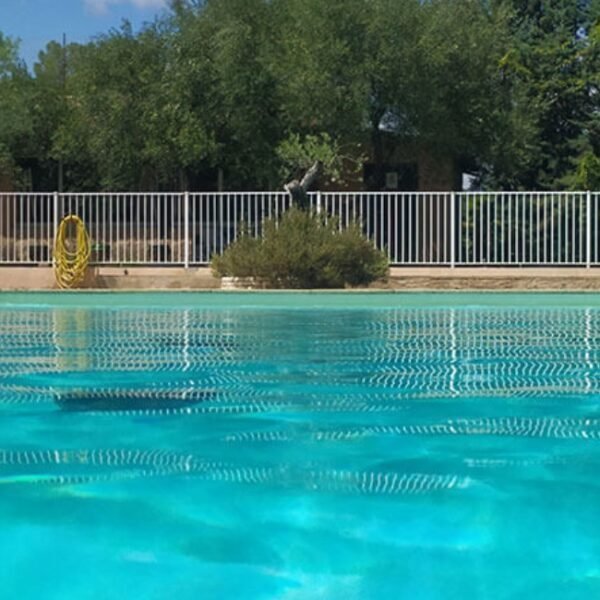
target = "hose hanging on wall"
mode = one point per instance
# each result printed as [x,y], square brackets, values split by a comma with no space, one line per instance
[71,252]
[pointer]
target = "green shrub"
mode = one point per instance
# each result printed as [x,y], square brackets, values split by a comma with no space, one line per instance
[303,251]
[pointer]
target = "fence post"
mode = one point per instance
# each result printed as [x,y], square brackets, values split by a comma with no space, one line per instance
[319,202]
[452,230]
[186,230]
[588,230]
[55,224]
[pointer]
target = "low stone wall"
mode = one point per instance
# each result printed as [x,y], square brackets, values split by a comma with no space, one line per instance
[117,278]
[482,278]
[156,278]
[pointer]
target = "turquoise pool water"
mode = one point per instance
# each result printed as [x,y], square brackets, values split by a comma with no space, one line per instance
[300,446]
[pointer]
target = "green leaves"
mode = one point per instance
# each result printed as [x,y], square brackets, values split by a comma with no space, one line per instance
[258,90]
[587,172]
[300,153]
[551,71]
[16,119]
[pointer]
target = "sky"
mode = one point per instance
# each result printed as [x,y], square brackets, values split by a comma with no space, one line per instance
[36,22]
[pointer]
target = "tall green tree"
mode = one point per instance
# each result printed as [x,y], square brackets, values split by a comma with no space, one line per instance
[107,96]
[223,48]
[553,68]
[507,89]
[49,106]
[16,124]
[395,74]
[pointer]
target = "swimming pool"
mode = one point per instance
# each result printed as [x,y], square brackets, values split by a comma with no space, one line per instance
[300,446]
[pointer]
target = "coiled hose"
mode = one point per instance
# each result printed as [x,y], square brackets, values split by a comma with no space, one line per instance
[71,252]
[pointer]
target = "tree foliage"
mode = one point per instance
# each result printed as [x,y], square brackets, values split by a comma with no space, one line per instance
[256,89]
[16,122]
[552,65]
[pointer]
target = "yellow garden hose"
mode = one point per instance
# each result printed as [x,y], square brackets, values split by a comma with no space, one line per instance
[71,252]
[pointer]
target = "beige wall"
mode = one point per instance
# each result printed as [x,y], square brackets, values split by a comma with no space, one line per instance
[42,278]
[435,172]
[415,278]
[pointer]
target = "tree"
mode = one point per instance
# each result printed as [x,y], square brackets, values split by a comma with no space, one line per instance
[507,89]
[15,115]
[410,73]
[108,92]
[49,110]
[222,50]
[553,68]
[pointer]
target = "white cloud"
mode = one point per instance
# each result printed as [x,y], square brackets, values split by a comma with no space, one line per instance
[101,7]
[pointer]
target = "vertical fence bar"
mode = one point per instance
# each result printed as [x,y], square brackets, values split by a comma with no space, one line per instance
[257,217]
[202,231]
[381,222]
[131,207]
[394,236]
[481,207]
[14,229]
[588,229]
[27,220]
[453,225]
[524,199]
[440,256]
[467,226]
[530,232]
[417,238]
[595,232]
[212,220]
[410,199]
[193,229]
[389,220]
[220,221]
[458,222]
[475,202]
[45,225]
[580,233]
[110,217]
[249,199]
[555,226]
[573,217]
[55,225]
[3,227]
[186,230]
[510,232]
[495,235]
[488,251]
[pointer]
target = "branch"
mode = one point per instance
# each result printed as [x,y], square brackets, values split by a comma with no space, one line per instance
[299,189]
[311,175]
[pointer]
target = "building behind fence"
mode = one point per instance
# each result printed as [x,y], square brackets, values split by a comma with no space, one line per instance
[414,229]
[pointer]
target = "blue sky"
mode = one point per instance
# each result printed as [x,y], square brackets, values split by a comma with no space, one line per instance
[36,22]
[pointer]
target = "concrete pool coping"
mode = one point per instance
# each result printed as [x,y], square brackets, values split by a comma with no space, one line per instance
[274,299]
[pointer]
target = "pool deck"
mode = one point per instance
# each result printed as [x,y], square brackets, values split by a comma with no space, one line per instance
[14,278]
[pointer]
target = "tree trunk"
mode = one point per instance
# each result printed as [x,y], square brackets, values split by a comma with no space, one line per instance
[299,189]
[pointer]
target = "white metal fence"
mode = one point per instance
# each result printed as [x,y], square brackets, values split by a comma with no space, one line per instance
[414,228]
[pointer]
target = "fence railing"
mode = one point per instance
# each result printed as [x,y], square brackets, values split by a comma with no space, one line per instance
[413,228]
